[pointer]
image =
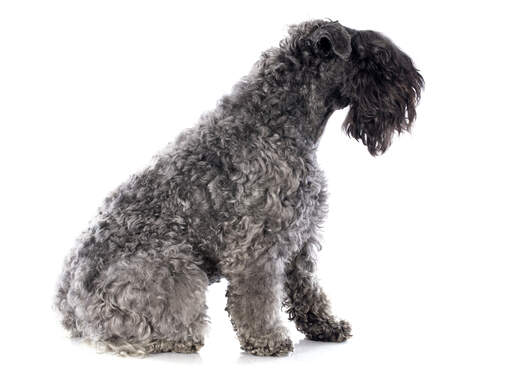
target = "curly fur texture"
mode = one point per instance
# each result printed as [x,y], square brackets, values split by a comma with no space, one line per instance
[239,196]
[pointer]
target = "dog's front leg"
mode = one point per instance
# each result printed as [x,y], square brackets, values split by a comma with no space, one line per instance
[306,303]
[253,304]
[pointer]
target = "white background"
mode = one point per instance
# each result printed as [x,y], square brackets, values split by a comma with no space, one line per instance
[417,243]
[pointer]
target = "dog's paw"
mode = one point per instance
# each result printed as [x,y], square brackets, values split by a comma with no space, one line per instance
[330,331]
[273,344]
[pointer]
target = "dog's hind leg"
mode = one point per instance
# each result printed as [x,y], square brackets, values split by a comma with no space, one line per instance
[145,304]
[61,299]
[306,303]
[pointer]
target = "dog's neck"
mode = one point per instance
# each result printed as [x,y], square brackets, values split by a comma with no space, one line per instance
[285,104]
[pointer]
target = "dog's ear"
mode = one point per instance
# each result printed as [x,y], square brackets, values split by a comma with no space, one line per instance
[331,39]
[383,87]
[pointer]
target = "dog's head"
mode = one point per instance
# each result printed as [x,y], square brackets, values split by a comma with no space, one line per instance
[364,70]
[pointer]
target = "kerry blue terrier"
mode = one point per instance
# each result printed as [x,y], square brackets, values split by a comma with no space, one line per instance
[238,196]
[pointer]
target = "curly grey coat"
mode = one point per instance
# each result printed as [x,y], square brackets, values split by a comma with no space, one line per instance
[238,196]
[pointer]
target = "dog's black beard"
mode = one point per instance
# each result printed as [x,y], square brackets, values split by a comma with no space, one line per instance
[384,88]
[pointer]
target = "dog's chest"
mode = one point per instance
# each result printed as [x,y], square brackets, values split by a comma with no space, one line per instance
[294,198]
[309,199]
[270,196]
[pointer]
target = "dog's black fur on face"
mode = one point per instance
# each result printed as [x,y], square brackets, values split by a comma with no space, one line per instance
[383,88]
[362,69]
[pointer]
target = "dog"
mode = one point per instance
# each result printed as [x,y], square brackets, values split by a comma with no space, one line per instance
[239,196]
